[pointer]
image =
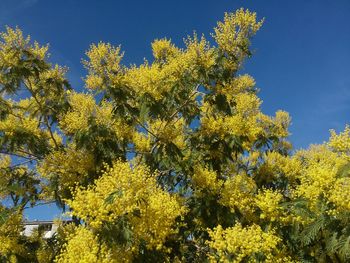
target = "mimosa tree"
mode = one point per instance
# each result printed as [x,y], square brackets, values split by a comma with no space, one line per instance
[168,161]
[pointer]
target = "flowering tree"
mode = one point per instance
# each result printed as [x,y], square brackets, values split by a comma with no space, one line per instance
[169,161]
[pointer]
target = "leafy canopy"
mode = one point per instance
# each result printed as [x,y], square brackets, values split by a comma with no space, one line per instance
[168,161]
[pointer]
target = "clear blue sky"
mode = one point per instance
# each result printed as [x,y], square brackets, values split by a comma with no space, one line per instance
[302,53]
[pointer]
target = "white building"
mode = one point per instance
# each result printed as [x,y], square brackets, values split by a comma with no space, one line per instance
[49,228]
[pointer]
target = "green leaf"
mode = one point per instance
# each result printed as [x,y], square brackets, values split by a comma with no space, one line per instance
[144,111]
[111,198]
[311,231]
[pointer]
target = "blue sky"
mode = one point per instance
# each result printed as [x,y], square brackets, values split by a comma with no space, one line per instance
[301,62]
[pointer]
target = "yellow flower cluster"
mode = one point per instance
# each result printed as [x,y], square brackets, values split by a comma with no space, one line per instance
[199,52]
[319,172]
[25,117]
[246,119]
[340,194]
[13,38]
[11,41]
[211,124]
[83,246]
[142,141]
[10,243]
[275,165]
[26,105]
[269,203]
[281,124]
[205,179]
[316,181]
[69,167]
[238,192]
[151,79]
[5,161]
[235,29]
[237,243]
[9,177]
[158,78]
[94,82]
[41,52]
[163,49]
[247,104]
[103,64]
[251,160]
[84,108]
[157,220]
[243,122]
[47,78]
[340,142]
[135,191]
[15,124]
[170,131]
[240,84]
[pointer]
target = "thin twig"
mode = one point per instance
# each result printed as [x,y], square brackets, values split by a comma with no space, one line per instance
[39,204]
[18,164]
[46,120]
[195,91]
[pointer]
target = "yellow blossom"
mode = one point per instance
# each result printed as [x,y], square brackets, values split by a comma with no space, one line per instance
[163,49]
[10,230]
[238,192]
[340,194]
[14,124]
[236,243]
[269,203]
[69,167]
[103,64]
[170,131]
[235,28]
[142,141]
[319,173]
[205,179]
[341,141]
[83,246]
[151,211]
[85,109]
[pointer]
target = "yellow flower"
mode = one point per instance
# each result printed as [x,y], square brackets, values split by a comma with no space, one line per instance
[235,29]
[83,246]
[319,172]
[340,142]
[170,131]
[340,194]
[236,243]
[238,192]
[84,108]
[163,49]
[14,124]
[69,167]
[150,210]
[205,179]
[103,64]
[142,141]
[269,203]
[10,229]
